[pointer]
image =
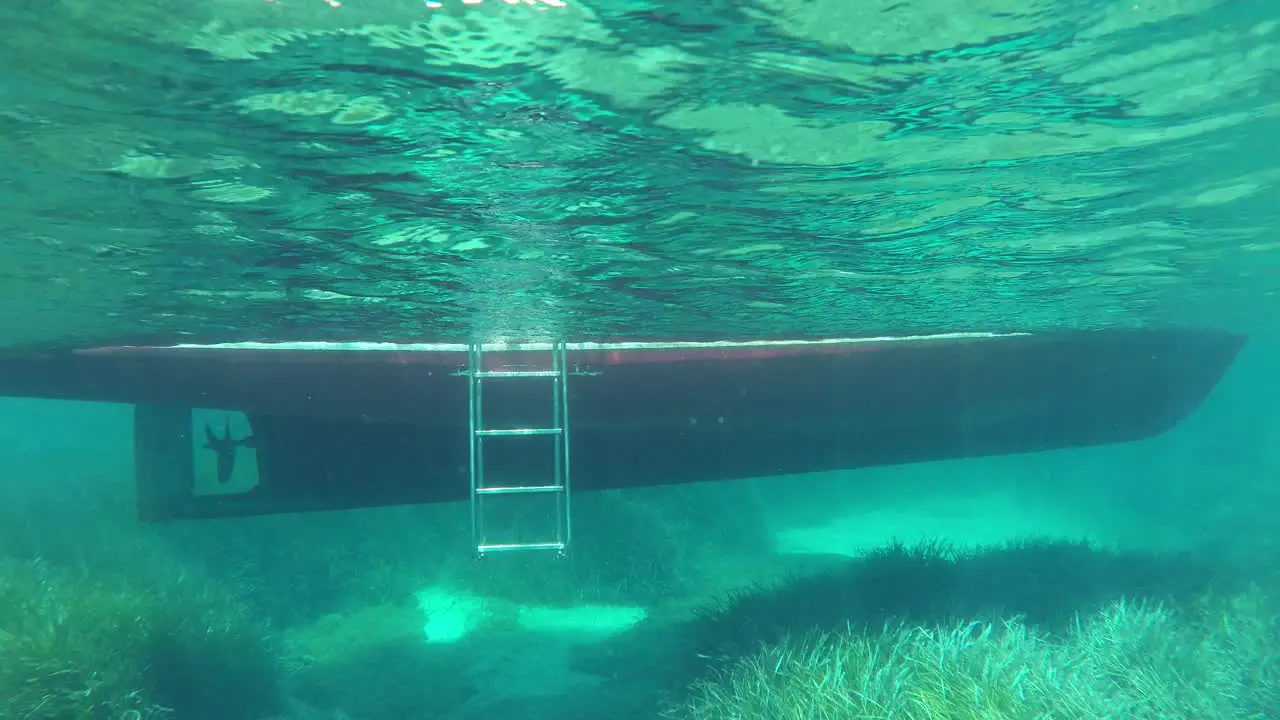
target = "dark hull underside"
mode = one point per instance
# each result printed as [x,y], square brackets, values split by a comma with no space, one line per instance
[340,429]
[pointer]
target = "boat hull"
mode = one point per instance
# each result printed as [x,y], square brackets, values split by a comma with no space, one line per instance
[351,426]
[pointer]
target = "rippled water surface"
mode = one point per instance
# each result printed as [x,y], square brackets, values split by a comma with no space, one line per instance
[391,169]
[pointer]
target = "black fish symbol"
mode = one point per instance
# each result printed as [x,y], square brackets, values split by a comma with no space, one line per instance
[225,447]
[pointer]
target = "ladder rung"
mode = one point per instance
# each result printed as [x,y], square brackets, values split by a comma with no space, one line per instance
[517,373]
[519,431]
[520,546]
[519,489]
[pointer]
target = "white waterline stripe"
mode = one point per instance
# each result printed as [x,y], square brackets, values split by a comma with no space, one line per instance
[581,346]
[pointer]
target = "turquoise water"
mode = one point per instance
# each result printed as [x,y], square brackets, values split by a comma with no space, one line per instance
[235,170]
[1134,580]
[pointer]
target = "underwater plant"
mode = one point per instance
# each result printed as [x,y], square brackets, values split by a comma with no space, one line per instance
[623,551]
[79,644]
[1047,582]
[1141,661]
[630,547]
[296,568]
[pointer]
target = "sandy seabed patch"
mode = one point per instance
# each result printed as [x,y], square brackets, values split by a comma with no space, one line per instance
[968,521]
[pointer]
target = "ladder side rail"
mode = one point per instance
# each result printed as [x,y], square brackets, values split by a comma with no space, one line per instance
[559,442]
[474,360]
[561,402]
